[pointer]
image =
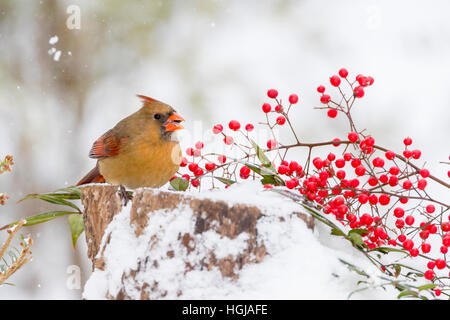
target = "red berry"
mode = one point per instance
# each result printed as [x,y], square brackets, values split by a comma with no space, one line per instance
[407,141]
[192,167]
[217,128]
[186,177]
[407,184]
[318,163]
[199,145]
[283,169]
[340,163]
[343,73]
[390,155]
[416,154]
[294,166]
[430,208]
[335,81]
[249,127]
[278,108]
[244,172]
[358,92]
[437,292]
[291,184]
[373,199]
[320,89]
[384,178]
[401,238]
[393,181]
[340,174]
[234,125]
[378,162]
[210,166]
[409,220]
[440,264]
[384,199]
[421,184]
[331,156]
[222,159]
[198,172]
[399,223]
[272,93]
[360,170]
[372,181]
[353,136]
[332,113]
[195,183]
[394,170]
[228,140]
[424,173]
[429,274]
[426,247]
[414,252]
[355,163]
[190,151]
[366,219]
[266,107]
[293,98]
[336,142]
[408,244]
[281,120]
[325,99]
[271,144]
[446,241]
[363,198]
[407,154]
[184,162]
[399,212]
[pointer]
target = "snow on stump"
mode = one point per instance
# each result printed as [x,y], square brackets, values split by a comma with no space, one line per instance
[163,243]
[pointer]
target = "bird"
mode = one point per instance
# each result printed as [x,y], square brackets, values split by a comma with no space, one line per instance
[140,150]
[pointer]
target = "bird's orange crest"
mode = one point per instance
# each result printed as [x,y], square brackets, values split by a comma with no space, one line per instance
[145,98]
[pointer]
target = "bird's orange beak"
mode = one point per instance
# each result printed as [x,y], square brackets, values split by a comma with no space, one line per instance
[173,123]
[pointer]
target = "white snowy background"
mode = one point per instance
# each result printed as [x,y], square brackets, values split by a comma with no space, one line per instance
[213,61]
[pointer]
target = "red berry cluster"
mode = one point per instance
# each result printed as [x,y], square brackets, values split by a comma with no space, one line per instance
[363,186]
[357,87]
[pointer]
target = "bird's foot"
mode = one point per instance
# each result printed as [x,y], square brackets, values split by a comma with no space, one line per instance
[124,195]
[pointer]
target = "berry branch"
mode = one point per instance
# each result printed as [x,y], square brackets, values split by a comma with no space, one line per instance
[378,196]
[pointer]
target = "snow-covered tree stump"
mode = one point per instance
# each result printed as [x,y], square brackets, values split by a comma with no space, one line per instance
[162,241]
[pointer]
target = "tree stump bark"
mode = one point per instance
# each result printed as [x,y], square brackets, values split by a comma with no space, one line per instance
[210,218]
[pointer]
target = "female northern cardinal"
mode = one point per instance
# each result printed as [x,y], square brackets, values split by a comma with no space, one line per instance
[139,151]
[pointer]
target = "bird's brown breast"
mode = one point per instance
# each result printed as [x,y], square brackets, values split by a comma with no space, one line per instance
[142,164]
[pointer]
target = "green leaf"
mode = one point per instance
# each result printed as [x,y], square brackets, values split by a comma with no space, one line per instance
[355,238]
[386,250]
[76,224]
[52,198]
[179,184]
[337,232]
[427,286]
[407,293]
[71,191]
[262,171]
[358,231]
[262,157]
[41,218]
[398,269]
[228,182]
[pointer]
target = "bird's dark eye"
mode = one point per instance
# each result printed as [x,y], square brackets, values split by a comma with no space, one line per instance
[157,116]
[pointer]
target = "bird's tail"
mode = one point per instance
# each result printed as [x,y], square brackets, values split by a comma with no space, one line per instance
[93,176]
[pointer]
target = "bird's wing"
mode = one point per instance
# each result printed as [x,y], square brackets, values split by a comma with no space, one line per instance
[107,145]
